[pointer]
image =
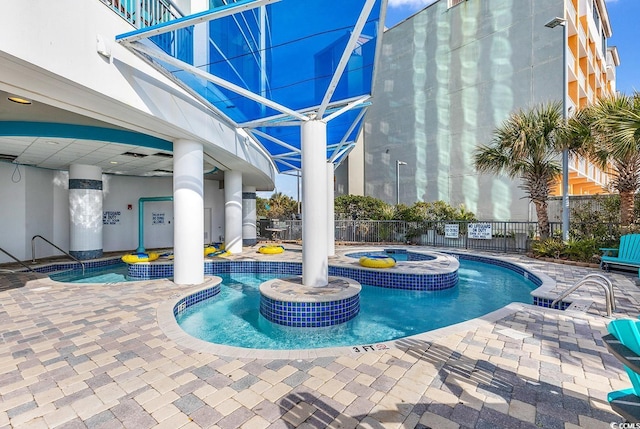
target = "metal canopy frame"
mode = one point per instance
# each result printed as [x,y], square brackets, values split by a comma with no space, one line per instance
[273,115]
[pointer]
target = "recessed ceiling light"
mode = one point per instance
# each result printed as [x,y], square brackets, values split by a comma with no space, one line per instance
[51,142]
[19,100]
[113,162]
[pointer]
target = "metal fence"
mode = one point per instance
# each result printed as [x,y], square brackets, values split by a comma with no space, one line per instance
[498,236]
[576,202]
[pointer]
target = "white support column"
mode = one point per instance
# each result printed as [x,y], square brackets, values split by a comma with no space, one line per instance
[85,211]
[233,211]
[315,269]
[331,221]
[249,233]
[188,211]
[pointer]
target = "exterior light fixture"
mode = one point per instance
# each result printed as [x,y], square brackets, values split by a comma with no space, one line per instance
[565,104]
[398,164]
[19,100]
[555,22]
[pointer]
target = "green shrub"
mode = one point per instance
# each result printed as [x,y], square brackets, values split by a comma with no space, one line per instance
[359,207]
[582,250]
[548,248]
[598,220]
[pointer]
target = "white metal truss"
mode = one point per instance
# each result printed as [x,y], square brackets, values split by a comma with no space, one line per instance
[283,120]
[347,134]
[353,40]
[276,141]
[346,108]
[286,116]
[162,56]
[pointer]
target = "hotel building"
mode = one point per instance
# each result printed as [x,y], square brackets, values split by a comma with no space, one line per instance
[451,73]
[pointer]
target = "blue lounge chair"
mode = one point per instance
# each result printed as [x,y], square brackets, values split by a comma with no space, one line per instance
[628,254]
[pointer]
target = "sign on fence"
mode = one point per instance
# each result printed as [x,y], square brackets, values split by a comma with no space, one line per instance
[480,231]
[451,230]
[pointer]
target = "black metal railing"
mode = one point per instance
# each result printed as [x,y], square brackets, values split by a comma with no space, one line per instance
[499,236]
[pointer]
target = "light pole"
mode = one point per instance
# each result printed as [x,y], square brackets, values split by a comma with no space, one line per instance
[398,164]
[565,152]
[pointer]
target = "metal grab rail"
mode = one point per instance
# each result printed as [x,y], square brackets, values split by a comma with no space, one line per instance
[33,251]
[597,279]
[17,260]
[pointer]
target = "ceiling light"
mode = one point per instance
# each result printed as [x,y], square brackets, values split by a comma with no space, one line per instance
[19,100]
[51,142]
[7,157]
[135,154]
[113,162]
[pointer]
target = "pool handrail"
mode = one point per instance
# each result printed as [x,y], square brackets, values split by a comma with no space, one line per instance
[596,279]
[33,251]
[17,260]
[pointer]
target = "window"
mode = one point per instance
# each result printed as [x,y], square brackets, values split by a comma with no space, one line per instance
[596,17]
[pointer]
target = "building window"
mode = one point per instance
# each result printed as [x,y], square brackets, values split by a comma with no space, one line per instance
[596,16]
[453,3]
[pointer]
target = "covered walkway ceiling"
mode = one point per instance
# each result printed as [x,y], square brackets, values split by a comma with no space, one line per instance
[269,65]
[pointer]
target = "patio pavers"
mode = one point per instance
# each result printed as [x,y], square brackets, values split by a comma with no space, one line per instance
[94,356]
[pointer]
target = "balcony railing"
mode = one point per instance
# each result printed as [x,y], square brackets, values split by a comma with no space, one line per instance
[145,13]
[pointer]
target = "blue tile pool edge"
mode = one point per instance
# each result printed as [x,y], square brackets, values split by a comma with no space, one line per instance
[541,296]
[67,266]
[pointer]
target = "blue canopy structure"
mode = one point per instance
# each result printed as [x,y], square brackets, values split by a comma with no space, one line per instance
[269,65]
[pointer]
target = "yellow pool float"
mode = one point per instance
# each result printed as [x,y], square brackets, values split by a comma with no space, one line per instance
[271,249]
[133,258]
[373,261]
[216,252]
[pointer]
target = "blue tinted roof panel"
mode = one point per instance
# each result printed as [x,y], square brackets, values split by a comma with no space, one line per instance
[272,62]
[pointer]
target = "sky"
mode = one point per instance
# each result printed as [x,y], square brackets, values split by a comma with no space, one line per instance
[623,15]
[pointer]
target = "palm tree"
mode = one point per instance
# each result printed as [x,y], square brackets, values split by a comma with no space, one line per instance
[527,146]
[281,206]
[609,132]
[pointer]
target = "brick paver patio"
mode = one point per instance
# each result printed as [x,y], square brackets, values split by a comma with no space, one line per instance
[95,356]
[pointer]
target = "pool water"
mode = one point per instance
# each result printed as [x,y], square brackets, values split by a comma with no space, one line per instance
[108,274]
[399,256]
[233,316]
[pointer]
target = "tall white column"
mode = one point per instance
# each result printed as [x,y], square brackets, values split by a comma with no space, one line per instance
[315,266]
[331,221]
[233,211]
[85,211]
[188,211]
[249,232]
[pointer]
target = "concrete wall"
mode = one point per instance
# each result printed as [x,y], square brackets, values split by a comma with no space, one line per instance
[36,202]
[446,79]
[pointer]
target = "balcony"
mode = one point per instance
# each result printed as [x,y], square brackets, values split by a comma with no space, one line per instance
[145,13]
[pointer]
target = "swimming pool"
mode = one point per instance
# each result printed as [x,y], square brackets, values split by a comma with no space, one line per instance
[114,273]
[233,316]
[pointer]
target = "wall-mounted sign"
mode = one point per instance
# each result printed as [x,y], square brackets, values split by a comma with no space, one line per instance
[451,230]
[157,218]
[480,231]
[111,218]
